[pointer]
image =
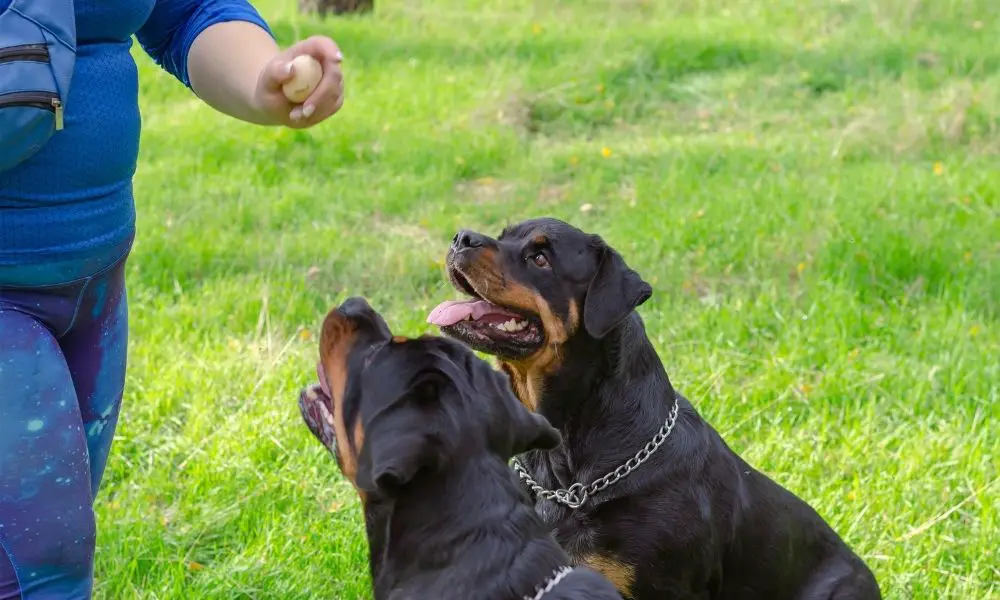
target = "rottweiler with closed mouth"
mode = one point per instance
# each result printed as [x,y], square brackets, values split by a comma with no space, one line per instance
[641,489]
[424,430]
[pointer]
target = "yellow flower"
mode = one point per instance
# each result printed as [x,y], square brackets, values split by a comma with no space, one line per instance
[304,335]
[605,152]
[600,88]
[938,168]
[974,330]
[801,267]
[536,29]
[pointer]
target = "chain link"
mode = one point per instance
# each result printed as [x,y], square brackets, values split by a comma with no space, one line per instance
[577,494]
[552,582]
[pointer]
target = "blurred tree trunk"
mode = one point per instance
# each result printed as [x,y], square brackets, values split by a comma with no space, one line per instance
[337,7]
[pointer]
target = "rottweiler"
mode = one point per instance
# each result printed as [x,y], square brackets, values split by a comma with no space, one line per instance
[424,430]
[642,488]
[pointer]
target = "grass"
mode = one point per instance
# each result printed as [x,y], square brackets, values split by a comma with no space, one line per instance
[810,186]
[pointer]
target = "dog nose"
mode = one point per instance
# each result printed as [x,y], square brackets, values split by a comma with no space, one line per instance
[354,307]
[468,239]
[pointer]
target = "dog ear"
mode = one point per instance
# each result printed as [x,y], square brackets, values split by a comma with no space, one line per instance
[532,431]
[512,428]
[400,443]
[388,463]
[615,291]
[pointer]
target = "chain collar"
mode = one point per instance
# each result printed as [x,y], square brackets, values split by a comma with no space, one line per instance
[550,583]
[577,494]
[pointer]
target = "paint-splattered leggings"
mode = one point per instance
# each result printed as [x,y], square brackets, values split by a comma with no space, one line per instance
[62,370]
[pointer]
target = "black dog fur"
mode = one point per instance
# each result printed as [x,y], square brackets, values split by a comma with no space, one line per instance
[429,431]
[695,520]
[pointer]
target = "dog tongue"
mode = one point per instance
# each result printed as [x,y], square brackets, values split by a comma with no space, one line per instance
[453,311]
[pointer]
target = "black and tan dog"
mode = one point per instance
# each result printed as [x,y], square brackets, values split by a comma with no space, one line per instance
[424,429]
[642,488]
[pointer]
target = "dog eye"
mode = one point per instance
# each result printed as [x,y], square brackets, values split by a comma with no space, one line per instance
[540,260]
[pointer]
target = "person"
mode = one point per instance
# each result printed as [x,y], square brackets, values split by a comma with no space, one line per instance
[67,222]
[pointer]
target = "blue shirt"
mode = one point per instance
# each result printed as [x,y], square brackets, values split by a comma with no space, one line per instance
[68,210]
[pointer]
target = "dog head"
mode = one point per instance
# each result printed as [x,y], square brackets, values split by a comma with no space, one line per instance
[390,408]
[541,283]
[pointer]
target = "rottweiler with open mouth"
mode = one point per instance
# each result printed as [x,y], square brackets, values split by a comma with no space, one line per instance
[641,489]
[424,430]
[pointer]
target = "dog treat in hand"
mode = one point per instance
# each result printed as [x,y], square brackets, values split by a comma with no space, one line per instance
[306,73]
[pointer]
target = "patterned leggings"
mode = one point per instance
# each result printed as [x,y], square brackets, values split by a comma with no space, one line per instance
[62,371]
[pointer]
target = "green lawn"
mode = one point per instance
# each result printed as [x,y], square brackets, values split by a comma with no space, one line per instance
[809,185]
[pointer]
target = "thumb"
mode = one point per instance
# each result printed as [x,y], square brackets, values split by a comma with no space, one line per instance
[277,72]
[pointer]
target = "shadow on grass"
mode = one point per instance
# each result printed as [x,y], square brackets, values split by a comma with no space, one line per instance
[380,48]
[658,78]
[656,73]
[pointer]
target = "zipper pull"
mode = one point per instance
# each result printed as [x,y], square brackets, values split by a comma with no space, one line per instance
[58,107]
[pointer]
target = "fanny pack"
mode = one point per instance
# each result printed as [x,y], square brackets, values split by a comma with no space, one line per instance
[37,56]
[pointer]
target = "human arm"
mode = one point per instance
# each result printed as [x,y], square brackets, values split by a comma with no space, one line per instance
[247,85]
[196,41]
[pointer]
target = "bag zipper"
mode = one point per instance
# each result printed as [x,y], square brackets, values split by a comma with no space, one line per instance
[42,100]
[26,52]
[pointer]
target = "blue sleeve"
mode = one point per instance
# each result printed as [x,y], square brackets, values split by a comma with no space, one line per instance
[174,24]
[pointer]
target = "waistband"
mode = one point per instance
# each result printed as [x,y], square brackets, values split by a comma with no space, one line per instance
[65,271]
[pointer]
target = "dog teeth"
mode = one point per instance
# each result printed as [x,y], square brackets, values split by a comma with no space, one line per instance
[327,415]
[512,325]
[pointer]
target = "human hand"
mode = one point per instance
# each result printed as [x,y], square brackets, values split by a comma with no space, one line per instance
[321,104]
